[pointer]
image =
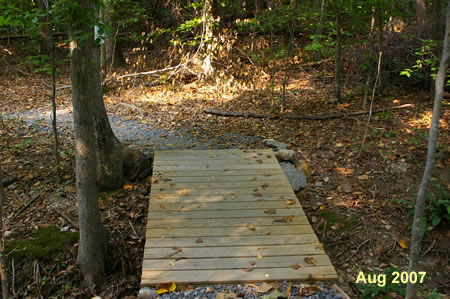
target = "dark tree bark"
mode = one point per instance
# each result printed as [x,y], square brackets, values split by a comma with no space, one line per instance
[113,55]
[86,94]
[436,24]
[421,18]
[44,30]
[338,65]
[416,234]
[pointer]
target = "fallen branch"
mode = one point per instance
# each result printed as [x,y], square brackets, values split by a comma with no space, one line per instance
[24,207]
[143,73]
[67,218]
[296,116]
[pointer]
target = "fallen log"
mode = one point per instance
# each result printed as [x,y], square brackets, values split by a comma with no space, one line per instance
[296,116]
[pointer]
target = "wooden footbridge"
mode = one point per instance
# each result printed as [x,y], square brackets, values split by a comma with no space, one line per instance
[227,216]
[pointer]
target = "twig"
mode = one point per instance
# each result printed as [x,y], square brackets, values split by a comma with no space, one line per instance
[429,248]
[296,116]
[25,207]
[371,104]
[67,218]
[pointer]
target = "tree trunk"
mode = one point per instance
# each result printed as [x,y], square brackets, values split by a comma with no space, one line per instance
[113,53]
[337,66]
[436,25]
[208,46]
[416,233]
[86,93]
[3,274]
[421,19]
[44,30]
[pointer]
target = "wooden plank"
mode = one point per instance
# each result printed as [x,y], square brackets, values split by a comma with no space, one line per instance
[217,185]
[223,168]
[223,172]
[227,222]
[234,263]
[232,241]
[217,179]
[236,275]
[203,153]
[223,214]
[219,191]
[249,161]
[173,198]
[227,231]
[232,251]
[179,207]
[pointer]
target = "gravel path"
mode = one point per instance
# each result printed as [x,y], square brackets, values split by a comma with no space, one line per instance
[139,134]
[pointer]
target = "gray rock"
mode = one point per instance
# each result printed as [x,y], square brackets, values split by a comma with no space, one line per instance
[287,155]
[275,144]
[295,176]
[147,293]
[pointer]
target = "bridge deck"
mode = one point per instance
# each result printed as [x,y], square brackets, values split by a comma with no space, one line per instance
[223,216]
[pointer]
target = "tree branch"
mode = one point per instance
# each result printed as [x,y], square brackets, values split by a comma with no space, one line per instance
[296,116]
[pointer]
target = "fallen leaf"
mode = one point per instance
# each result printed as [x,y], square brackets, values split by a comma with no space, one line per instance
[274,295]
[259,256]
[177,249]
[184,192]
[220,296]
[258,194]
[363,177]
[160,197]
[165,287]
[248,269]
[326,179]
[252,179]
[270,211]
[263,288]
[339,144]
[127,187]
[251,226]
[289,202]
[295,266]
[252,263]
[402,243]
[310,260]
[264,186]
[172,263]
[198,241]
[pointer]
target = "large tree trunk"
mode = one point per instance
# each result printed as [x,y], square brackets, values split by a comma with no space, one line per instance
[421,18]
[86,93]
[416,233]
[44,30]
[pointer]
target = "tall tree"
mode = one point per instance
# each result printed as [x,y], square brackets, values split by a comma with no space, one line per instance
[436,23]
[44,27]
[86,94]
[416,233]
[421,18]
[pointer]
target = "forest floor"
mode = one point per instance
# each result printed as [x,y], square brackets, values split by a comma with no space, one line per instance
[358,204]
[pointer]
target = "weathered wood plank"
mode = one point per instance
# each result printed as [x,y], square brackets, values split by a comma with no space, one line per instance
[224,214]
[216,161]
[156,206]
[173,198]
[223,168]
[236,276]
[219,191]
[232,251]
[221,172]
[227,222]
[234,263]
[218,179]
[220,185]
[227,231]
[232,241]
